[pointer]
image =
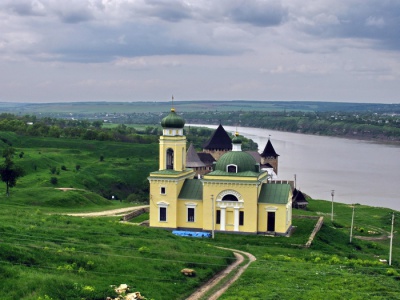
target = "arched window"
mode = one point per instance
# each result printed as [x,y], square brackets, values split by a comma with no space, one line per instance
[231,168]
[170,159]
[229,197]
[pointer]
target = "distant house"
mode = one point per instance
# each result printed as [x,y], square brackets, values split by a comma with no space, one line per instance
[299,201]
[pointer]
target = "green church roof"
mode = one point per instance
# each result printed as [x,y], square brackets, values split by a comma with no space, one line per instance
[192,190]
[274,193]
[243,161]
[173,120]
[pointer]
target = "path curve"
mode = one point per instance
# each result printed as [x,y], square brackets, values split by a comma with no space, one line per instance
[111,212]
[221,275]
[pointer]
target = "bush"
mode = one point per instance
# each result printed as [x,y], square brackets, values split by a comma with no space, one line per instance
[144,249]
[54,180]
[53,170]
[64,168]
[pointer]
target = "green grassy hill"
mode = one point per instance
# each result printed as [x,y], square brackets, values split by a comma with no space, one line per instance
[46,255]
[104,168]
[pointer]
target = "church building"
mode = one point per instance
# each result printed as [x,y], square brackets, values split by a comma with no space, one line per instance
[235,196]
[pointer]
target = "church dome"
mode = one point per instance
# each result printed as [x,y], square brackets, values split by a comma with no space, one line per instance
[243,161]
[236,139]
[173,120]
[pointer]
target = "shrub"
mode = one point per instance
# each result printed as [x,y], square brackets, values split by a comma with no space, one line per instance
[391,272]
[53,170]
[77,167]
[334,260]
[144,249]
[54,180]
[101,157]
[64,168]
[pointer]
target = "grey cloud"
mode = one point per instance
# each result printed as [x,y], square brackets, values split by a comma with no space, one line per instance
[74,16]
[24,8]
[105,44]
[258,13]
[377,21]
[172,11]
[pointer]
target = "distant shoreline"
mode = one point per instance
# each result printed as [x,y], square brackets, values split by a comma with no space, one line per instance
[347,136]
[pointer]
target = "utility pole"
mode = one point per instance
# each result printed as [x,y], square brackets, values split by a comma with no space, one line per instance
[391,241]
[295,181]
[212,216]
[352,222]
[332,194]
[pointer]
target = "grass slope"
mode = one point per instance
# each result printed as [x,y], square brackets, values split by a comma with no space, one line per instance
[51,256]
[77,164]
[333,268]
[62,257]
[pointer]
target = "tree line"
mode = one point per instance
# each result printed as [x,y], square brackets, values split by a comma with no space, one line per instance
[75,129]
[367,125]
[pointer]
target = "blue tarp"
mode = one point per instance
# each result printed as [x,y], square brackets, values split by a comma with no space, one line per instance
[192,233]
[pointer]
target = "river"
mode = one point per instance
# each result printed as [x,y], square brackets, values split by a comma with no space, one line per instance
[358,171]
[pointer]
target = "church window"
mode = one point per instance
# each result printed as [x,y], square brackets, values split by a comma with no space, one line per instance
[190,214]
[241,218]
[163,214]
[231,169]
[170,159]
[218,217]
[162,190]
[229,197]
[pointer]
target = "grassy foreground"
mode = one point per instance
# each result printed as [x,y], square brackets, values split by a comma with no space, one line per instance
[60,257]
[46,255]
[332,268]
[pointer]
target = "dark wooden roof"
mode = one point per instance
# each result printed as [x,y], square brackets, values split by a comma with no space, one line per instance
[219,140]
[255,155]
[192,158]
[269,150]
[206,158]
[299,197]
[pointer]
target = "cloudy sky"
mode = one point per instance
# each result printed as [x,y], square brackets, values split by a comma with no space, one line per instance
[147,50]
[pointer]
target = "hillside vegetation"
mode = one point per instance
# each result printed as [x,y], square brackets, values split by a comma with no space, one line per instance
[46,255]
[104,168]
[52,256]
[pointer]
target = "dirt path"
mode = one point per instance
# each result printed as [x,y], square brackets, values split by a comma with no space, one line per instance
[112,212]
[221,275]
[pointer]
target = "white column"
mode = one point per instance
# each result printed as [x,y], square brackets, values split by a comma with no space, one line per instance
[236,219]
[223,218]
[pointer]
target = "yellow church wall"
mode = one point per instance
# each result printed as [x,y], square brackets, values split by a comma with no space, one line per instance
[282,218]
[183,221]
[157,199]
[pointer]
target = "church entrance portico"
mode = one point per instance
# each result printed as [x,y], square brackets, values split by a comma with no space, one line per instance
[229,203]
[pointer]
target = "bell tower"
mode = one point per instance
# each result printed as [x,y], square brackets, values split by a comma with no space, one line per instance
[167,182]
[172,143]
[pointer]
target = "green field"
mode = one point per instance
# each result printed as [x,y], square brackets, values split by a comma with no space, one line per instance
[77,163]
[47,255]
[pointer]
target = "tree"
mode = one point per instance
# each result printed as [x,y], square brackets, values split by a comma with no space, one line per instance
[10,172]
